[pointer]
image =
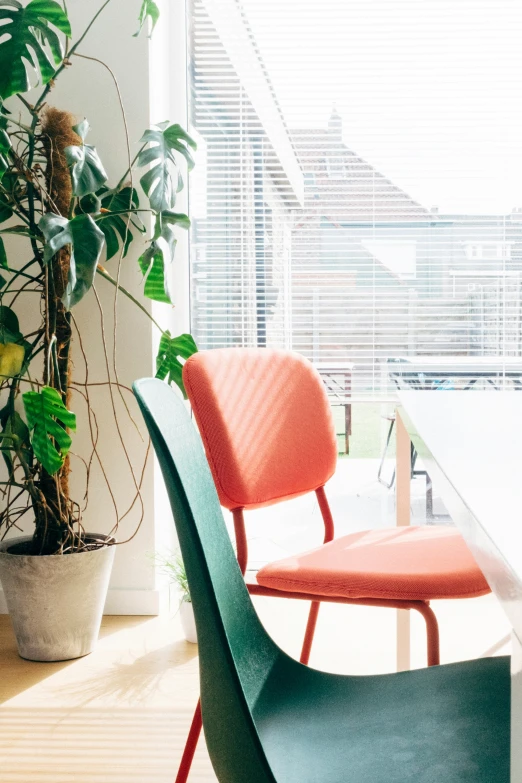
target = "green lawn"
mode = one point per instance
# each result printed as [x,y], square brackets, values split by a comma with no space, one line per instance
[368,430]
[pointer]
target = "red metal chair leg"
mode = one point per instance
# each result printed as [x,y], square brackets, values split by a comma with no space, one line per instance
[432,628]
[190,746]
[197,723]
[310,630]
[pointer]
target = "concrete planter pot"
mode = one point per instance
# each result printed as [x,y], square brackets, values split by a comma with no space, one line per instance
[188,622]
[55,601]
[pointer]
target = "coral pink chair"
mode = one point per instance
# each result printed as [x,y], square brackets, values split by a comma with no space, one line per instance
[269,436]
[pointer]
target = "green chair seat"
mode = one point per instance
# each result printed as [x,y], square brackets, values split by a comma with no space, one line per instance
[446,724]
[268,718]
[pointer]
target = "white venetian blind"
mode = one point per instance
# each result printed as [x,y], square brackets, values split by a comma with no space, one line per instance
[358,192]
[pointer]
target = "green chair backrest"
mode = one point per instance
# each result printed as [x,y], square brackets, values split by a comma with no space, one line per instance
[236,654]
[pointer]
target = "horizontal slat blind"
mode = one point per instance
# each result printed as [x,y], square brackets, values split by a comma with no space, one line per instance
[357,195]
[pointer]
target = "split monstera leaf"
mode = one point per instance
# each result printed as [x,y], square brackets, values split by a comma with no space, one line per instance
[109,218]
[31,41]
[102,222]
[46,414]
[44,409]
[105,217]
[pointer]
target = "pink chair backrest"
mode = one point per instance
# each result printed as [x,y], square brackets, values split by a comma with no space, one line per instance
[266,423]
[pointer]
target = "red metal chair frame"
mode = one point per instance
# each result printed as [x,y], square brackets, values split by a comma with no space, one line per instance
[423,607]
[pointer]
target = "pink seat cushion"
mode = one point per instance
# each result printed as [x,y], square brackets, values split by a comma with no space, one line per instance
[410,563]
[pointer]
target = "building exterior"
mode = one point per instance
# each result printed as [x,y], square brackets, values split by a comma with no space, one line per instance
[301,243]
[376,275]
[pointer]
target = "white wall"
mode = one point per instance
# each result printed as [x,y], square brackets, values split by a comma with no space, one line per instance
[148,73]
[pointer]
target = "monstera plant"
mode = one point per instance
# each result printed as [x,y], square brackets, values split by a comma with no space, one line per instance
[55,196]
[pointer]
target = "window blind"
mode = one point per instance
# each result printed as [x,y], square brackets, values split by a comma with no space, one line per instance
[357,195]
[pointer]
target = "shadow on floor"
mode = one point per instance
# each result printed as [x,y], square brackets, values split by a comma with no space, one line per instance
[133,682]
[20,675]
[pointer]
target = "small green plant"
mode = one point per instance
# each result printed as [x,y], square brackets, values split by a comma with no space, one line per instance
[173,567]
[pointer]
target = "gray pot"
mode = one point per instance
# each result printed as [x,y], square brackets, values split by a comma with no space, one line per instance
[55,601]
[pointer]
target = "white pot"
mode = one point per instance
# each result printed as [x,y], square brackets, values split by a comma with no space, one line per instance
[55,601]
[187,621]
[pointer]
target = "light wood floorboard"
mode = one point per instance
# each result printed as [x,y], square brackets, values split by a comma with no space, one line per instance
[121,714]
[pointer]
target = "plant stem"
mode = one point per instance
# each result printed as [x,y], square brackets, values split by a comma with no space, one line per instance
[18,233]
[105,215]
[122,180]
[20,211]
[103,272]
[26,128]
[60,68]
[30,188]
[21,273]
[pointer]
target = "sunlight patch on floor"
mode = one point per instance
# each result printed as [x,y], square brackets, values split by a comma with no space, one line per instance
[121,714]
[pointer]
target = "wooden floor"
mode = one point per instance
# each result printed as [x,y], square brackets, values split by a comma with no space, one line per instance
[121,714]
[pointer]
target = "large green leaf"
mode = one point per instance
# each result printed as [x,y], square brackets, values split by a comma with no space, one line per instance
[13,425]
[149,9]
[114,226]
[172,219]
[171,350]
[50,441]
[87,172]
[162,181]
[156,261]
[155,265]
[12,359]
[152,265]
[86,241]
[15,351]
[9,326]
[29,43]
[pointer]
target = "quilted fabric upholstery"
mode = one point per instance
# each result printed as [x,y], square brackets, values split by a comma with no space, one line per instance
[410,563]
[265,421]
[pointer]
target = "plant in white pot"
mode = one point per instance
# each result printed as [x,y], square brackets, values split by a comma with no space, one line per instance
[55,197]
[173,567]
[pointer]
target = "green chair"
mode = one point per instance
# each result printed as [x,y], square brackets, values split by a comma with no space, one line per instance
[268,718]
